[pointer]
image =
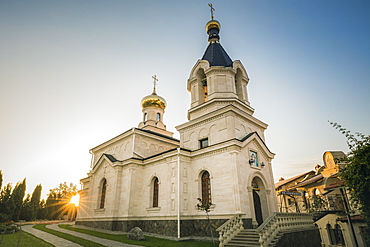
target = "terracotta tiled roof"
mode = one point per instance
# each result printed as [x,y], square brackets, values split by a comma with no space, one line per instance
[309,181]
[335,185]
[282,182]
[353,218]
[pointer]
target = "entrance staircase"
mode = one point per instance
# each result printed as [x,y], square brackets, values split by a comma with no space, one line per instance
[247,237]
[232,232]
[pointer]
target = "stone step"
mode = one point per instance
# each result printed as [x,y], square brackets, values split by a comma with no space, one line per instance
[253,240]
[248,235]
[241,245]
[245,238]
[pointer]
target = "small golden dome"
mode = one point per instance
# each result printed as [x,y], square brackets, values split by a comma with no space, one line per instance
[153,100]
[212,24]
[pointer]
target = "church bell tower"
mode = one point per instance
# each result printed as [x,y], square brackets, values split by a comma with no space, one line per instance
[218,84]
[216,78]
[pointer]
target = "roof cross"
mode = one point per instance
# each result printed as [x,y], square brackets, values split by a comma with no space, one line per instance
[154,82]
[212,9]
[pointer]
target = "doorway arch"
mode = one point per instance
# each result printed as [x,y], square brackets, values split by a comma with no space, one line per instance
[259,200]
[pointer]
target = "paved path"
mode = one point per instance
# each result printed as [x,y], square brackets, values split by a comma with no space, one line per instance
[61,242]
[98,240]
[50,238]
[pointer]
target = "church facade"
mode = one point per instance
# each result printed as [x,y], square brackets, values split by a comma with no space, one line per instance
[146,178]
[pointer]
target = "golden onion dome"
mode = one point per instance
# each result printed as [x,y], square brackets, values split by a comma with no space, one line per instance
[153,100]
[212,24]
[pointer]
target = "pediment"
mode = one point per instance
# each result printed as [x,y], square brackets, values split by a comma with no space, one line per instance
[254,138]
[104,158]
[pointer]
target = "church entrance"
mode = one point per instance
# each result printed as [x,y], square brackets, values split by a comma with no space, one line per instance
[259,200]
[257,208]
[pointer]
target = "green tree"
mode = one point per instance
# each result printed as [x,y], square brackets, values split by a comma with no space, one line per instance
[35,201]
[17,199]
[26,212]
[357,171]
[42,213]
[6,204]
[57,203]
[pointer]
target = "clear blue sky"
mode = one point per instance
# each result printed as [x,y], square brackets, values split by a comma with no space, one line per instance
[72,74]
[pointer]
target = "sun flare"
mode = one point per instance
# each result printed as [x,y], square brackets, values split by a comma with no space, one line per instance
[75,200]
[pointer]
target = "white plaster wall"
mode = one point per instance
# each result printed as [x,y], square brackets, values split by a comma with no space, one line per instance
[121,149]
[147,146]
[218,166]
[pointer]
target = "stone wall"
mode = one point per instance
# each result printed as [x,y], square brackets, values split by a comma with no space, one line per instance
[310,238]
[164,227]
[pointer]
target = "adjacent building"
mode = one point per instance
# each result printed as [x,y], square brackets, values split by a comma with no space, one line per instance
[322,192]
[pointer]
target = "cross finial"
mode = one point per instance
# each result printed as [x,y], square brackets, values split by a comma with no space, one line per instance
[154,82]
[212,9]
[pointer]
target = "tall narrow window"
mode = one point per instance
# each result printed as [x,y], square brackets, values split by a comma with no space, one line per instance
[103,193]
[339,240]
[331,234]
[206,188]
[145,118]
[158,117]
[205,89]
[155,192]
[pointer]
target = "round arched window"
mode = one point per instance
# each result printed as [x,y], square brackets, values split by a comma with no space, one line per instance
[206,189]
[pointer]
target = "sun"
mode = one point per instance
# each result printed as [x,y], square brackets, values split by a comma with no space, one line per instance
[75,199]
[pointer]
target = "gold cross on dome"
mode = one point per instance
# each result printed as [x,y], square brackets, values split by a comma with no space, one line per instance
[212,9]
[155,81]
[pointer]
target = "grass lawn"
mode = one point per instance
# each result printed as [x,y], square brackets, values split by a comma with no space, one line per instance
[27,240]
[69,237]
[149,241]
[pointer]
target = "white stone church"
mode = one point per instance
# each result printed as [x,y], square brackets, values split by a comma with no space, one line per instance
[144,177]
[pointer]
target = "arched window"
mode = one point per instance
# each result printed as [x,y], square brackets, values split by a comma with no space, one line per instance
[238,84]
[155,192]
[206,189]
[205,89]
[103,193]
[202,87]
[145,117]
[158,117]
[331,234]
[338,235]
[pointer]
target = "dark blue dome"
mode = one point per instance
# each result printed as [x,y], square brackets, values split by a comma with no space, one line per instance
[215,53]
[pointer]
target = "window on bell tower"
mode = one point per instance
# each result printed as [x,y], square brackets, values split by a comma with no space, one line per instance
[158,117]
[203,143]
[205,89]
[202,87]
